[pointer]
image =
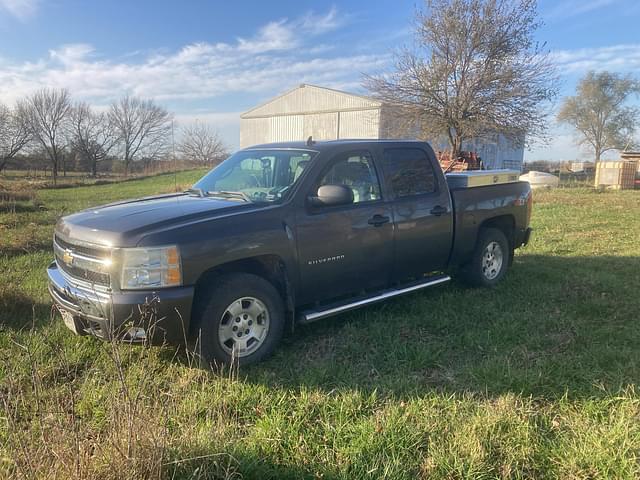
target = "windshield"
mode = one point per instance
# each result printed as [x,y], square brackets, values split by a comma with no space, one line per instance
[255,175]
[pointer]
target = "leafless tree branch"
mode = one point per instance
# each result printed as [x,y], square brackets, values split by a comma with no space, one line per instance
[14,134]
[46,113]
[475,71]
[201,143]
[143,128]
[92,134]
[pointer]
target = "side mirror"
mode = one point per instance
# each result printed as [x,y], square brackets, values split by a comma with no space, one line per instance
[332,195]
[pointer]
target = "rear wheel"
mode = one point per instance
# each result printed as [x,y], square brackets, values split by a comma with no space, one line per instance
[240,319]
[490,259]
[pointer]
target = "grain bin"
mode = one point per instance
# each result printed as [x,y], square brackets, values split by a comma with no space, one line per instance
[618,175]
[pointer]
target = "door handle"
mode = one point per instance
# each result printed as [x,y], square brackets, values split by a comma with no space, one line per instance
[378,220]
[438,210]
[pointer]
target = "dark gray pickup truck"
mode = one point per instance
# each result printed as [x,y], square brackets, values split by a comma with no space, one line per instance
[282,233]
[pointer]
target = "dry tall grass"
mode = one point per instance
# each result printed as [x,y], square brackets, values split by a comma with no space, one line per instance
[65,423]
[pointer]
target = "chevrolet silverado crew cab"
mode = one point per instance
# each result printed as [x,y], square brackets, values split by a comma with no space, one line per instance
[280,233]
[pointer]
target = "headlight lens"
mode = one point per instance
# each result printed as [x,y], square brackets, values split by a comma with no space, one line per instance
[155,267]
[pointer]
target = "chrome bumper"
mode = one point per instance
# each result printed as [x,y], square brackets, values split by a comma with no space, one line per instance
[80,300]
[107,314]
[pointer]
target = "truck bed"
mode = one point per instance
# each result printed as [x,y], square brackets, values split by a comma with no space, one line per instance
[474,205]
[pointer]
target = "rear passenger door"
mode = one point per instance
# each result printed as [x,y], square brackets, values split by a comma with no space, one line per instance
[422,212]
[349,248]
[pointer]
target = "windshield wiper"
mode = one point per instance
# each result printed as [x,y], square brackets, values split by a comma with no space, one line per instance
[196,190]
[230,194]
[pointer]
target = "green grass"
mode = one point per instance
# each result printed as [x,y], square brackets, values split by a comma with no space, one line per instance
[39,179]
[534,379]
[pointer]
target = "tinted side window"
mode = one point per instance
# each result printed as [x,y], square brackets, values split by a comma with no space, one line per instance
[356,171]
[408,171]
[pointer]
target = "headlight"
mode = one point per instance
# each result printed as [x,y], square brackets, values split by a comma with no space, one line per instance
[150,267]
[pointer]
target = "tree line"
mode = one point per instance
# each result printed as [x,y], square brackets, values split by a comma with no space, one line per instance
[131,130]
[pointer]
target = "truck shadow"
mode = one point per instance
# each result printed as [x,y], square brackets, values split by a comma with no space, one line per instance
[555,326]
[26,248]
[19,311]
[242,463]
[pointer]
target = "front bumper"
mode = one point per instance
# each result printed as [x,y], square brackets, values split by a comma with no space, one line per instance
[163,315]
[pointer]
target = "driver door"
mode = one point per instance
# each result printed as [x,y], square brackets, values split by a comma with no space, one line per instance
[345,249]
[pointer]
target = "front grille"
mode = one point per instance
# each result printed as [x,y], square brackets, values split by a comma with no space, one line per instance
[89,275]
[84,274]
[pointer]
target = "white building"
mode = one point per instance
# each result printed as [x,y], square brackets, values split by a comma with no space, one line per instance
[327,114]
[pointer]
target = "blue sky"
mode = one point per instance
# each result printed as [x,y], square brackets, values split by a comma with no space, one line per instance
[211,60]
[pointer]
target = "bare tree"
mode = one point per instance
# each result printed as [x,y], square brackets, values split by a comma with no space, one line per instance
[46,113]
[201,143]
[475,71]
[14,134]
[143,128]
[92,134]
[599,112]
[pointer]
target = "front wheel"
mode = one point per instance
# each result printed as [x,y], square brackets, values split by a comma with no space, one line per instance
[240,320]
[490,259]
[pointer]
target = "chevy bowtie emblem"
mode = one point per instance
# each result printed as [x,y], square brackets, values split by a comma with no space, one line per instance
[67,257]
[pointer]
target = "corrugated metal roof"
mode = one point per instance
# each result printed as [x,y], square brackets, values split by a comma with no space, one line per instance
[311,99]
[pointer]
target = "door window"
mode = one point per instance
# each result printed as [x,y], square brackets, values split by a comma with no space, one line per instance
[356,171]
[409,172]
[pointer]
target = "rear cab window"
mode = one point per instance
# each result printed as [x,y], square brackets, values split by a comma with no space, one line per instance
[408,172]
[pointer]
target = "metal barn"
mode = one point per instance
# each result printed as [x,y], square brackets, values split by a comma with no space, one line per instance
[327,114]
[308,110]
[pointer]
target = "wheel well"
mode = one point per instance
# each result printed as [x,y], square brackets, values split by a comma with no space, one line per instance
[505,223]
[269,267]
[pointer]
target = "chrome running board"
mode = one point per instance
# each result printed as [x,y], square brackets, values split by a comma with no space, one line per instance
[309,316]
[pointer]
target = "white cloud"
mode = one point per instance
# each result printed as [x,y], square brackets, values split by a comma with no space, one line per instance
[323,23]
[273,36]
[572,8]
[281,54]
[21,9]
[617,58]
[71,53]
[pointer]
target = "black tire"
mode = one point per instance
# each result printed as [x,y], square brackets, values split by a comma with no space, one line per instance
[481,271]
[228,291]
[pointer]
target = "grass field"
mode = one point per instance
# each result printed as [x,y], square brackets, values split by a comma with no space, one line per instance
[37,179]
[534,379]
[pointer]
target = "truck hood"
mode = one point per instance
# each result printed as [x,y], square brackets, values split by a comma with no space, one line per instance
[123,224]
